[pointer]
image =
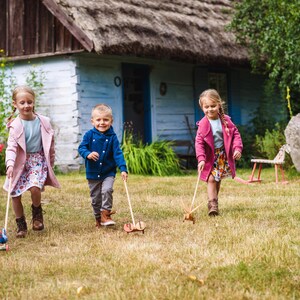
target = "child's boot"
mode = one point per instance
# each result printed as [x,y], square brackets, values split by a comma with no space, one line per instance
[106,219]
[98,222]
[213,207]
[22,227]
[37,218]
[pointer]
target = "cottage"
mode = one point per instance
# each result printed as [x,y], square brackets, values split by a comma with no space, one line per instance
[148,60]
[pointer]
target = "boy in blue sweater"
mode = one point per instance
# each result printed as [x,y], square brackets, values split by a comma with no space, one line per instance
[102,153]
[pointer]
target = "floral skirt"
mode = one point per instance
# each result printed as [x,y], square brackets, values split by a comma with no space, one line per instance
[34,174]
[221,167]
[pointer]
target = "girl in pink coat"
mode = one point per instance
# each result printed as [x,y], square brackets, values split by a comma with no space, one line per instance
[218,144]
[29,158]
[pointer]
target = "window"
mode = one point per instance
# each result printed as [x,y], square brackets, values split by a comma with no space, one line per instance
[218,81]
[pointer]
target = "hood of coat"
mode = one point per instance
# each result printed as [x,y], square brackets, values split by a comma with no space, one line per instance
[205,125]
[17,125]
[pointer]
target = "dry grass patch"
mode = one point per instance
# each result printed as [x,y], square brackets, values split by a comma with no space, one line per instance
[251,251]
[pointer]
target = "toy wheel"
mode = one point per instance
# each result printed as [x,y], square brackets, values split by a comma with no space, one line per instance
[140,225]
[128,227]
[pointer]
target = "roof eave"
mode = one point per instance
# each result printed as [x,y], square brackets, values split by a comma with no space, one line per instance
[84,40]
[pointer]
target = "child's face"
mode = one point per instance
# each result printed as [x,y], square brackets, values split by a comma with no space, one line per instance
[101,120]
[210,108]
[24,103]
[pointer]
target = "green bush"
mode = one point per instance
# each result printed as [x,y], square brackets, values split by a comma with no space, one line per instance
[157,158]
[262,146]
[271,109]
[7,82]
[248,138]
[264,134]
[269,144]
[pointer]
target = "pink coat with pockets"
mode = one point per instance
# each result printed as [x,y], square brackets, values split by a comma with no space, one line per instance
[204,145]
[16,150]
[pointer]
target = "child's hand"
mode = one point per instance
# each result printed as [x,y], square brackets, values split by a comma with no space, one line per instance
[93,155]
[237,155]
[201,166]
[124,176]
[9,172]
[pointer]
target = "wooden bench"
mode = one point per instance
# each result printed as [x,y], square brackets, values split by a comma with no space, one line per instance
[187,154]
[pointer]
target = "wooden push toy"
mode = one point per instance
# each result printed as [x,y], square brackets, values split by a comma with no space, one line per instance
[3,232]
[131,227]
[188,215]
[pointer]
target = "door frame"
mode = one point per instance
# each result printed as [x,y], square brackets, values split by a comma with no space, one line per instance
[146,97]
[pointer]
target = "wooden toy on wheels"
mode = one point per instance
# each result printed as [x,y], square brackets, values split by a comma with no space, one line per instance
[132,227]
[3,232]
[188,215]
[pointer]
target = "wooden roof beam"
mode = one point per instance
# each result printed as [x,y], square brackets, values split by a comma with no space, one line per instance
[86,42]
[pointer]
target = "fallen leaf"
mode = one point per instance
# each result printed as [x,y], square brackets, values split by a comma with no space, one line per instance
[79,290]
[192,277]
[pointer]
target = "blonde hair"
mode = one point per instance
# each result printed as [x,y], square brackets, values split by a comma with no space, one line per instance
[213,95]
[16,90]
[102,108]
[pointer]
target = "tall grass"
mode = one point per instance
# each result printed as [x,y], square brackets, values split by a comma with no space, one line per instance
[157,158]
[251,251]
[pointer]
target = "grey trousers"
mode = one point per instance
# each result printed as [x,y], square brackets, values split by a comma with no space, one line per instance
[101,192]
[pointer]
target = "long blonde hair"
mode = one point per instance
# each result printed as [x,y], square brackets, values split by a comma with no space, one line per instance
[20,88]
[213,95]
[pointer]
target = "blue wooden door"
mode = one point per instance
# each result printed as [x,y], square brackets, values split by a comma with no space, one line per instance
[136,100]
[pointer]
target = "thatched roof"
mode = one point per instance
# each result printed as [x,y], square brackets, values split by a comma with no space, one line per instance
[177,29]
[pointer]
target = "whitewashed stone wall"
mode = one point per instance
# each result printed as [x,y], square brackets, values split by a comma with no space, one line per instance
[59,102]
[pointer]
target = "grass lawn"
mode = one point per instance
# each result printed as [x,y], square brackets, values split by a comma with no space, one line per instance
[250,251]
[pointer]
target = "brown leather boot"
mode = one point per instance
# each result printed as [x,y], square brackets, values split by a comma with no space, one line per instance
[37,218]
[106,219]
[22,227]
[213,207]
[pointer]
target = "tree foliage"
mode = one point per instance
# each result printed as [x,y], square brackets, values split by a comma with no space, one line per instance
[270,30]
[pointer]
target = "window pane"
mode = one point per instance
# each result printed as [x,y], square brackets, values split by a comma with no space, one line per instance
[218,81]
